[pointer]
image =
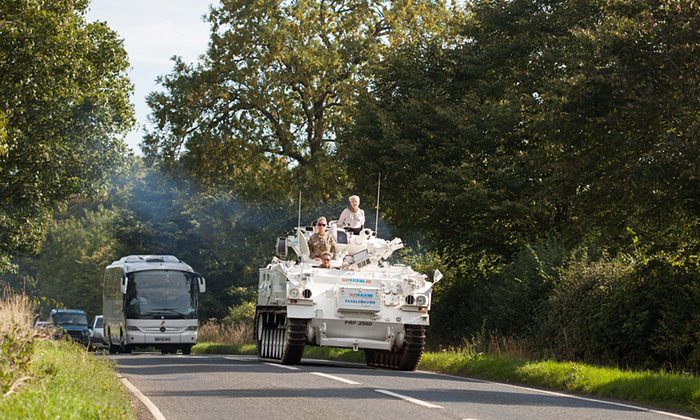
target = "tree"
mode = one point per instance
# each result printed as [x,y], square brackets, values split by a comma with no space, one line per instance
[73,258]
[64,101]
[567,116]
[269,97]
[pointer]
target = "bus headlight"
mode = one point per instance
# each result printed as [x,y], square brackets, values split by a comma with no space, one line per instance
[194,328]
[132,328]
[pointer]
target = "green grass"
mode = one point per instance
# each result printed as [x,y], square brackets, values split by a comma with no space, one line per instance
[220,348]
[69,383]
[658,389]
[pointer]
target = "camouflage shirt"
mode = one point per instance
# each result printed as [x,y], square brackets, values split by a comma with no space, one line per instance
[318,244]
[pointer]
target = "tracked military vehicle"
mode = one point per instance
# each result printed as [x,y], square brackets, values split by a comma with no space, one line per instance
[361,302]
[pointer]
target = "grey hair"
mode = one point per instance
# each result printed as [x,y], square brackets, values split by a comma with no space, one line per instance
[354,196]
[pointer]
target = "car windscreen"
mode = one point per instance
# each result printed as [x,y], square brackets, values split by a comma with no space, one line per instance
[63,318]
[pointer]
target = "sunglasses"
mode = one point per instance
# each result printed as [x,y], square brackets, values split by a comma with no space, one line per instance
[326,259]
[321,224]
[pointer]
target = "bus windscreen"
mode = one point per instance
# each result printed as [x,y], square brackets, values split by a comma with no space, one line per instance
[156,294]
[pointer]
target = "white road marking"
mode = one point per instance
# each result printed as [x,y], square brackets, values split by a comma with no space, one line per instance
[281,366]
[407,398]
[151,407]
[335,378]
[237,359]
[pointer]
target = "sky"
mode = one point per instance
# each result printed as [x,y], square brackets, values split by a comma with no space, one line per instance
[153,31]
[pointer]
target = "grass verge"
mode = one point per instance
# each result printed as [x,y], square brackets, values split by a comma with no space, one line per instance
[657,389]
[67,382]
[221,348]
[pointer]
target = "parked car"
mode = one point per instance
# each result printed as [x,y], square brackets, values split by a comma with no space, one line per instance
[71,322]
[97,334]
[43,328]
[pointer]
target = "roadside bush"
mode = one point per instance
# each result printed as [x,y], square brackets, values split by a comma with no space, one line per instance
[489,297]
[626,311]
[241,314]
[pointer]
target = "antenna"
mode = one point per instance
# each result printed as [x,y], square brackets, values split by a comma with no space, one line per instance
[299,214]
[379,184]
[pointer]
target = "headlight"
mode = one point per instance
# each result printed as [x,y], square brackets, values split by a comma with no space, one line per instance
[294,293]
[422,300]
[132,328]
[191,328]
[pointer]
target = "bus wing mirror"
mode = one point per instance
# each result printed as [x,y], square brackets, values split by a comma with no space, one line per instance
[122,285]
[202,284]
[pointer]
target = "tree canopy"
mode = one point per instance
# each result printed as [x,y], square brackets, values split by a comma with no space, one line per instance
[565,116]
[64,107]
[270,95]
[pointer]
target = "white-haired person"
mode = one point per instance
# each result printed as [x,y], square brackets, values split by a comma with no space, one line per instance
[353,217]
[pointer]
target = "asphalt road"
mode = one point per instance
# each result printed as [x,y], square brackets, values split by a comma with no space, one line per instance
[241,387]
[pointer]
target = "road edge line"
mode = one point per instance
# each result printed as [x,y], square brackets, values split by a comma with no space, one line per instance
[144,399]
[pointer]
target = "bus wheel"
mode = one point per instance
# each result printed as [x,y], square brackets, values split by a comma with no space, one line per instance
[113,349]
[126,349]
[187,350]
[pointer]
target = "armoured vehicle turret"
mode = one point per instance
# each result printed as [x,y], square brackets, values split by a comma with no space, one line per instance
[362,302]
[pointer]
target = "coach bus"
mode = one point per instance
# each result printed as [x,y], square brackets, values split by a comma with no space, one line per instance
[151,301]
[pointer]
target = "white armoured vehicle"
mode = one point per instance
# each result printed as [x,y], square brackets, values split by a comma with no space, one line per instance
[361,302]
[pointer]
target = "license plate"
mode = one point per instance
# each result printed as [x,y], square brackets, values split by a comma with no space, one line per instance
[162,338]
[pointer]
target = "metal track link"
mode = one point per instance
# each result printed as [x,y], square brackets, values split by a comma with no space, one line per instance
[295,340]
[280,339]
[406,358]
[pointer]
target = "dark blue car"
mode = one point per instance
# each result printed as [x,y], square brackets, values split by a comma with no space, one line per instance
[73,322]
